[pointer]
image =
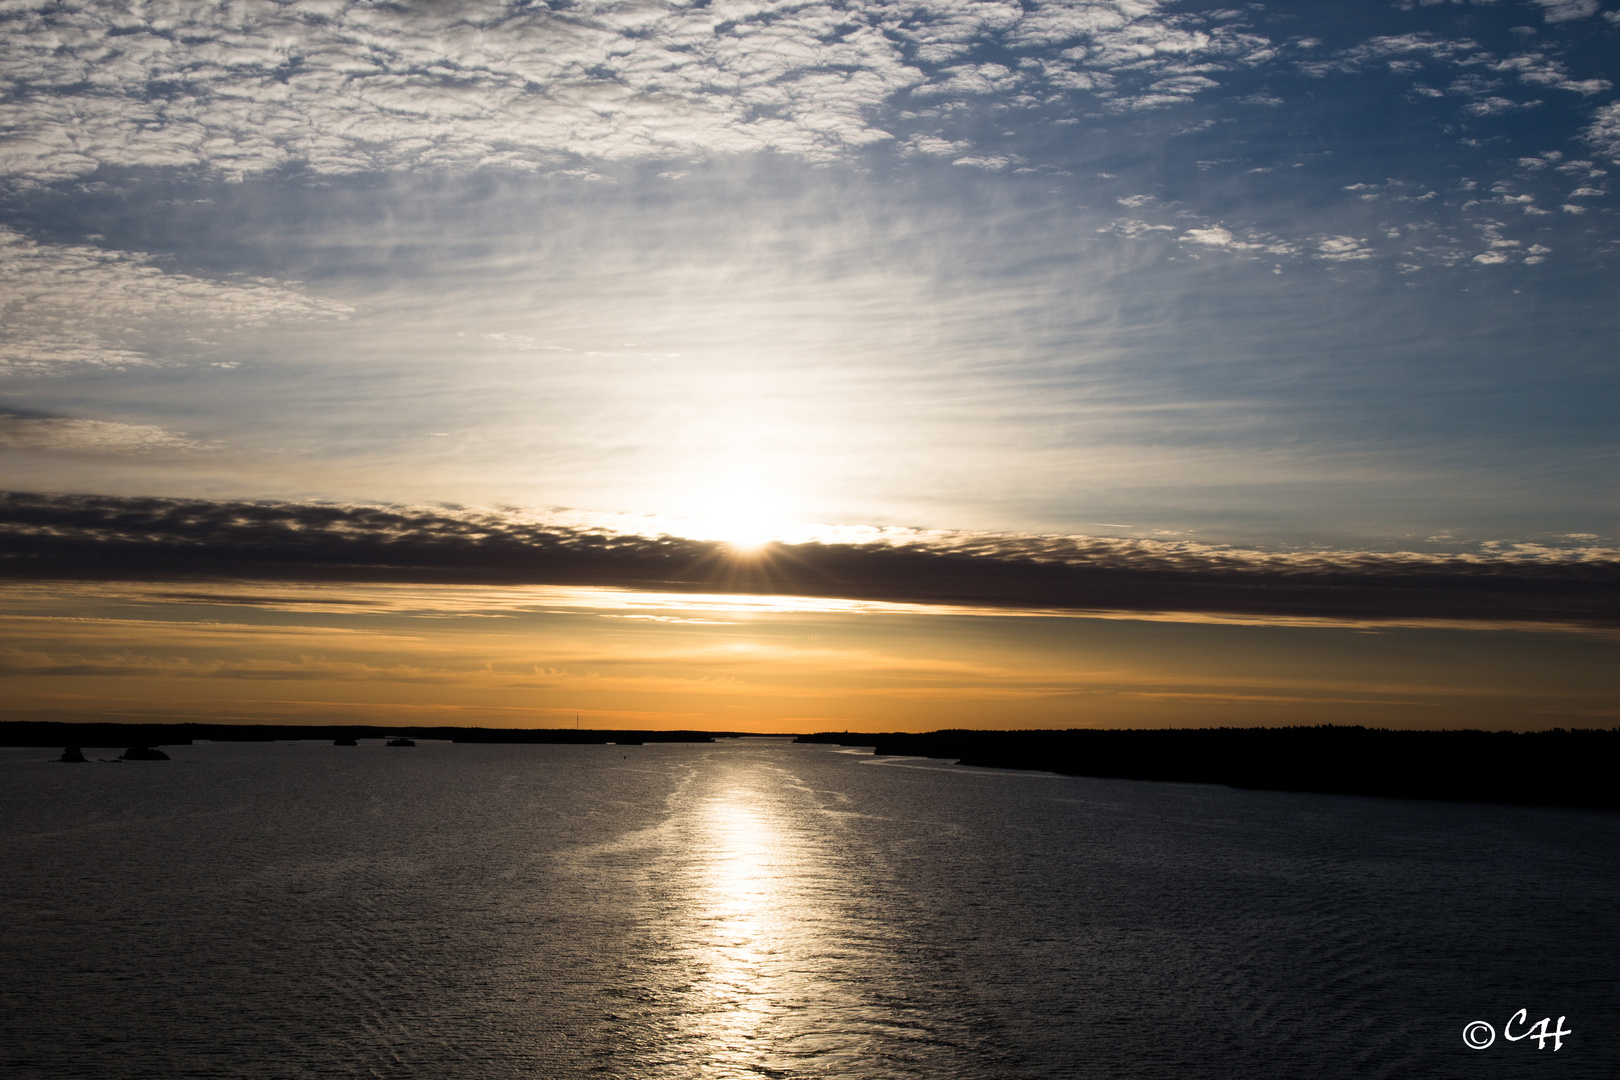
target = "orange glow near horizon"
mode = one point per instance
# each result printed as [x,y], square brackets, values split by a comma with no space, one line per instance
[537,657]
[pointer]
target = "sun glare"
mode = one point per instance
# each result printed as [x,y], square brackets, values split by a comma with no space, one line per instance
[741,512]
[743,533]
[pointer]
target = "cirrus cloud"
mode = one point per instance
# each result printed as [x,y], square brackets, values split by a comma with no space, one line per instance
[59,433]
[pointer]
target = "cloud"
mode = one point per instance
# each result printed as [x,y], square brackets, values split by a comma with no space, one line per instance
[1556,11]
[1407,53]
[167,539]
[1604,131]
[74,305]
[993,163]
[1383,48]
[1133,229]
[1214,236]
[934,146]
[58,434]
[261,85]
[1343,249]
[1496,106]
[357,87]
[1538,70]
[971,79]
[1219,236]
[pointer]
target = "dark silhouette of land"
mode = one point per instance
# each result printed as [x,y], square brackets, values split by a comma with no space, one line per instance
[52,733]
[1542,768]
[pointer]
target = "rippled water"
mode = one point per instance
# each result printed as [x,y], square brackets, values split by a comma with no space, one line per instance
[760,909]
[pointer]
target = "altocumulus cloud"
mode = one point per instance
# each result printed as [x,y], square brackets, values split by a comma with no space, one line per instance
[83,537]
[344,87]
[583,91]
[68,306]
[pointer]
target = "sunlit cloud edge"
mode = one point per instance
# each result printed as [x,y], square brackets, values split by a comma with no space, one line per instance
[585,566]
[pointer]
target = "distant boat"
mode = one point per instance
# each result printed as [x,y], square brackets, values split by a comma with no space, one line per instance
[143,753]
[344,742]
[72,754]
[400,742]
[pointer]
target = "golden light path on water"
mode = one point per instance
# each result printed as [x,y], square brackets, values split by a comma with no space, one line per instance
[767,952]
[742,910]
[761,939]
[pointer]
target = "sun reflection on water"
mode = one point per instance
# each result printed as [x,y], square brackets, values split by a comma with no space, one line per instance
[770,942]
[789,960]
[767,938]
[743,909]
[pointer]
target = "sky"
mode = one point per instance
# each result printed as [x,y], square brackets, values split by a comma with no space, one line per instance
[814,365]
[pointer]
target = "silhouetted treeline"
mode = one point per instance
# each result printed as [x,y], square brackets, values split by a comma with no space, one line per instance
[1544,768]
[50,733]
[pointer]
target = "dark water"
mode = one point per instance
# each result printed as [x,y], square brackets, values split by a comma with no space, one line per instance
[759,909]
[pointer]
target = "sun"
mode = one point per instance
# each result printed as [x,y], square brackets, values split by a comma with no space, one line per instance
[743,517]
[742,505]
[740,531]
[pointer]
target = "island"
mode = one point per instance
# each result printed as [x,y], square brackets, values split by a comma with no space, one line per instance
[1541,768]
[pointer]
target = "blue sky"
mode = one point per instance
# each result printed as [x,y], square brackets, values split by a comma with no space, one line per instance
[1278,276]
[1090,362]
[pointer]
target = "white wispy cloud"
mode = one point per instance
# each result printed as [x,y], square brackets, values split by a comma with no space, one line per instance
[59,434]
[1382,49]
[1133,228]
[1496,105]
[1555,11]
[68,305]
[1540,70]
[1408,53]
[1604,131]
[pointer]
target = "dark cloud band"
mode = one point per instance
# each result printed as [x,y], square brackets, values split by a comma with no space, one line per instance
[96,537]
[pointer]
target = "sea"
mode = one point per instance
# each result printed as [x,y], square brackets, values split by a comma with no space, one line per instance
[757,908]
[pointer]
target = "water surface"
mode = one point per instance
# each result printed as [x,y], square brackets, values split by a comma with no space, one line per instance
[760,909]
